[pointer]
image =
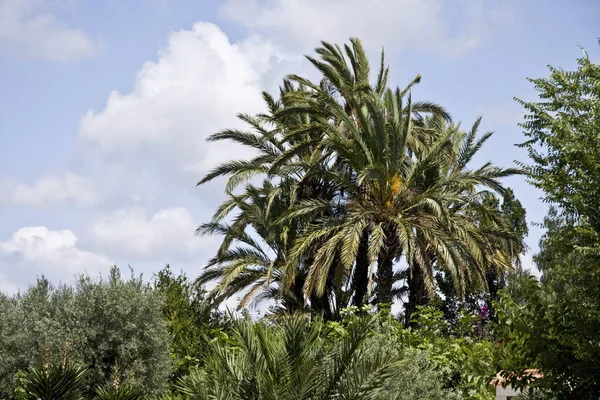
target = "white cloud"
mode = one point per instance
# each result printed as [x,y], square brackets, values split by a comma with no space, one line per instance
[49,190]
[148,147]
[54,253]
[132,234]
[26,28]
[195,88]
[395,24]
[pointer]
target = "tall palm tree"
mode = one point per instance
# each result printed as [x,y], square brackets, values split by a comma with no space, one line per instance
[290,361]
[491,245]
[396,184]
[373,177]
[300,118]
[287,182]
[253,251]
[253,255]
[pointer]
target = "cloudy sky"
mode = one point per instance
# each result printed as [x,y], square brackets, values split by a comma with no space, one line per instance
[105,106]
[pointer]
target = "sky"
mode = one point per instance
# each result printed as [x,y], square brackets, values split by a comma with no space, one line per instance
[105,106]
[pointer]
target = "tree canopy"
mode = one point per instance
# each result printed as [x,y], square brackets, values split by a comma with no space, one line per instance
[357,177]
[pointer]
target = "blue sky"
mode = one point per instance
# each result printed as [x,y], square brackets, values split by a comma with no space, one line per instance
[105,105]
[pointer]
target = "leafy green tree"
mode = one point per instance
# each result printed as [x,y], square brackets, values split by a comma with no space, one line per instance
[124,331]
[30,332]
[563,142]
[553,325]
[111,326]
[190,319]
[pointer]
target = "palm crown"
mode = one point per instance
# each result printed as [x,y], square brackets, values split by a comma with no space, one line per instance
[358,177]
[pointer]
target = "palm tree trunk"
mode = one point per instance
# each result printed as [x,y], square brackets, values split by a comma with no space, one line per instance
[320,305]
[385,273]
[360,281]
[418,295]
[296,300]
[385,268]
[496,282]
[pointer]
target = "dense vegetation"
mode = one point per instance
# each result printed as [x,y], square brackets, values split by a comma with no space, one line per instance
[356,198]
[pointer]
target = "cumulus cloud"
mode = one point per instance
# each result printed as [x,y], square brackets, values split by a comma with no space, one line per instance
[195,88]
[49,190]
[27,29]
[54,253]
[132,234]
[142,150]
[395,24]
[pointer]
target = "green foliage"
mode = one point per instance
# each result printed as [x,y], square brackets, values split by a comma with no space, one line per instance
[466,361]
[552,325]
[357,177]
[111,326]
[54,382]
[119,392]
[419,374]
[536,394]
[564,145]
[190,319]
[514,213]
[419,379]
[291,361]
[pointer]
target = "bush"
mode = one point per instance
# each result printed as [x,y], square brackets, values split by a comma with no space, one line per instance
[111,326]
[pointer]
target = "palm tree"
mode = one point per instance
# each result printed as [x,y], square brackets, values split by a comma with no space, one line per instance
[252,258]
[295,145]
[372,177]
[290,361]
[491,244]
[286,183]
[247,263]
[395,179]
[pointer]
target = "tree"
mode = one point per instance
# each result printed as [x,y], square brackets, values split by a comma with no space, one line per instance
[511,215]
[552,325]
[373,177]
[563,142]
[190,319]
[111,326]
[250,268]
[257,266]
